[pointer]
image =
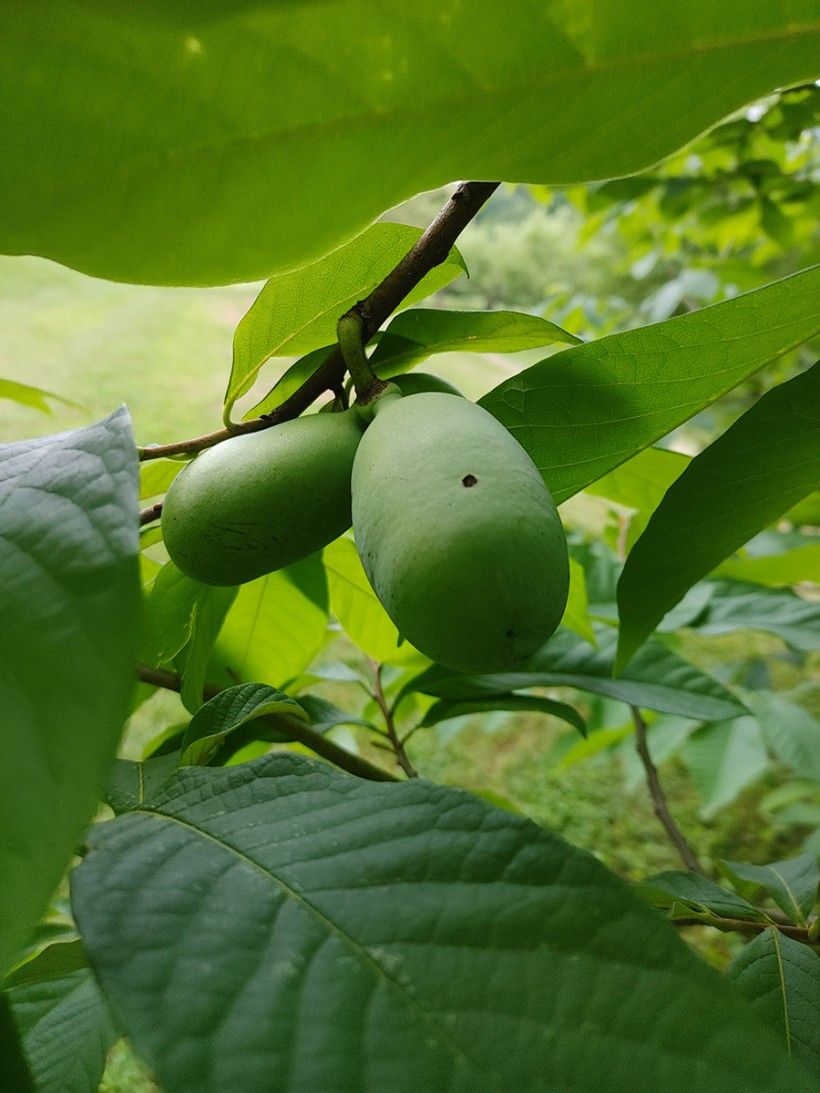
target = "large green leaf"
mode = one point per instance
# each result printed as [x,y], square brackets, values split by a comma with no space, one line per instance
[297,312]
[422,332]
[656,678]
[582,412]
[792,883]
[780,979]
[280,923]
[69,589]
[761,466]
[213,142]
[277,624]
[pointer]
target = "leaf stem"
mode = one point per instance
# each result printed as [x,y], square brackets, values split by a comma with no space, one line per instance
[396,742]
[302,734]
[746,926]
[676,836]
[429,251]
[350,334]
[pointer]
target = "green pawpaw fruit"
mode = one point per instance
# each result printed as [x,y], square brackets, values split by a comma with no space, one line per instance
[457,533]
[260,501]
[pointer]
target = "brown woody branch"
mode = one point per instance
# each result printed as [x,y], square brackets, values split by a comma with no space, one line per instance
[429,251]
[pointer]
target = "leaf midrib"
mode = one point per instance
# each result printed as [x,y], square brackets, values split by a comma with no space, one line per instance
[442,1035]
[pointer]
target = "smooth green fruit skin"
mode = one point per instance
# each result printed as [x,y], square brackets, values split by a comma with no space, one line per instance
[260,501]
[458,533]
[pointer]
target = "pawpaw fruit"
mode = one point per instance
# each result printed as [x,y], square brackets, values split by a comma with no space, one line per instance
[457,533]
[260,501]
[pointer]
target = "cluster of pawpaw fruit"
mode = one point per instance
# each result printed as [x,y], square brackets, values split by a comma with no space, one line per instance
[456,531]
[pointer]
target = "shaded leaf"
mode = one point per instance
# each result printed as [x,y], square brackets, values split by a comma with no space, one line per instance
[69,588]
[297,312]
[228,712]
[724,758]
[325,715]
[583,412]
[699,893]
[511,703]
[139,160]
[761,466]
[780,979]
[15,1066]
[53,962]
[789,730]
[730,606]
[420,333]
[386,913]
[792,884]
[131,782]
[656,678]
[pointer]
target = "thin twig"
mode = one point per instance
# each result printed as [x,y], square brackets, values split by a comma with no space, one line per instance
[302,734]
[395,742]
[675,834]
[152,513]
[429,251]
[746,926]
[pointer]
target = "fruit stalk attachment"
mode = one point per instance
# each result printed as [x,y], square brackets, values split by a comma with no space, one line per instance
[350,332]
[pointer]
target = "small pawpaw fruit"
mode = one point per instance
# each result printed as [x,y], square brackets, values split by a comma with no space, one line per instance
[458,533]
[260,501]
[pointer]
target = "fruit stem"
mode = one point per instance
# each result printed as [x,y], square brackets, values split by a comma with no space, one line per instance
[350,332]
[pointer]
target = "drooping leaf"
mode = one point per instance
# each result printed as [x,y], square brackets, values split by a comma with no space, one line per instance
[66,1031]
[583,412]
[277,624]
[656,678]
[700,893]
[69,588]
[129,154]
[761,466]
[156,475]
[231,710]
[420,333]
[446,709]
[792,883]
[732,606]
[35,397]
[723,758]
[780,979]
[789,730]
[369,937]
[297,312]
[355,605]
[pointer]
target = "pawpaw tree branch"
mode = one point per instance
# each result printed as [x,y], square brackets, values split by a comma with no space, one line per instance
[429,251]
[302,734]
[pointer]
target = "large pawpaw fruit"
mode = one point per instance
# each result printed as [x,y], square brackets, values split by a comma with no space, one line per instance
[457,533]
[260,501]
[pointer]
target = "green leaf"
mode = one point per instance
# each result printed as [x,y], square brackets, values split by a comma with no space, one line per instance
[15,1066]
[663,890]
[761,466]
[66,1030]
[656,678]
[53,962]
[446,709]
[291,380]
[210,610]
[325,715]
[734,606]
[774,571]
[789,730]
[69,588]
[229,711]
[297,312]
[640,484]
[598,740]
[131,782]
[221,141]
[168,613]
[277,624]
[156,475]
[583,412]
[35,397]
[355,605]
[576,614]
[792,883]
[371,937]
[420,333]
[723,758]
[780,979]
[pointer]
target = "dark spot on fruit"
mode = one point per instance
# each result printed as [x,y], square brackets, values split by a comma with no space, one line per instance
[469,480]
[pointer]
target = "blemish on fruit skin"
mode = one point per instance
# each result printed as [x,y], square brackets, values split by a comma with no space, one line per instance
[469,480]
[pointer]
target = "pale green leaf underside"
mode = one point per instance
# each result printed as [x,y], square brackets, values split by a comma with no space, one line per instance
[583,412]
[212,143]
[282,924]
[70,613]
[741,483]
